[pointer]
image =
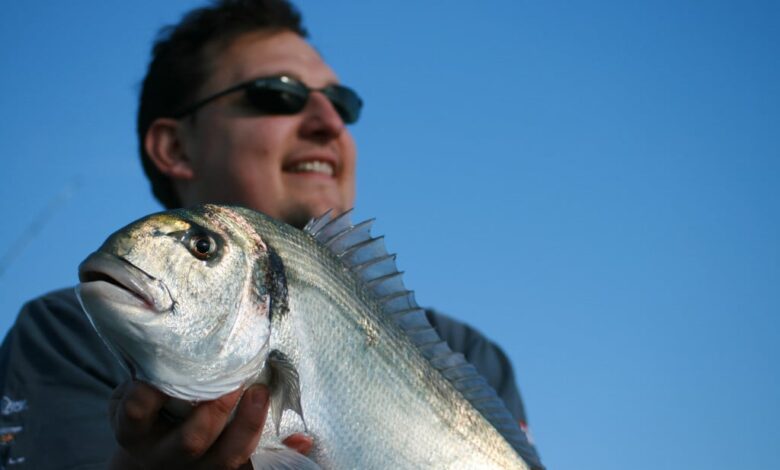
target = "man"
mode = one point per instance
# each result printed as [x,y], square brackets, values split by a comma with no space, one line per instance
[236,108]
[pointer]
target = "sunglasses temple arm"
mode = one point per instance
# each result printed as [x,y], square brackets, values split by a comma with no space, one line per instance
[199,104]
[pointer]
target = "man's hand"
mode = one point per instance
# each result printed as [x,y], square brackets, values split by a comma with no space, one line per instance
[204,439]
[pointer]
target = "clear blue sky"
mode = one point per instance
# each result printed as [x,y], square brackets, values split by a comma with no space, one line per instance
[594,185]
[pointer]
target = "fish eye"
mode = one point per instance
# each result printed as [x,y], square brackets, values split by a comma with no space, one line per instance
[202,246]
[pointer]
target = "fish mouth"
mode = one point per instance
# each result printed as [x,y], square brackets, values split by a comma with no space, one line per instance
[118,277]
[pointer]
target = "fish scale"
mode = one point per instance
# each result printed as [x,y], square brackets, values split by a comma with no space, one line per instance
[378,388]
[384,391]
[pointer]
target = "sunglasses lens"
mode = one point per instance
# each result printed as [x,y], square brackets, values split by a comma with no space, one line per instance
[276,98]
[283,95]
[346,102]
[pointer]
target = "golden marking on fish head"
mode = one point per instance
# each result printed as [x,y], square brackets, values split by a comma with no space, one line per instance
[124,241]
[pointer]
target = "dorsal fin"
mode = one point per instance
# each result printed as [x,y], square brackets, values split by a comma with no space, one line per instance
[316,223]
[368,258]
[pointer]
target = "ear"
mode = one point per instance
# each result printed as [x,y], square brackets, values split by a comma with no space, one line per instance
[164,144]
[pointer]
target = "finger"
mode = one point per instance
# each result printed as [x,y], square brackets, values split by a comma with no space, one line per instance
[192,438]
[240,438]
[299,442]
[136,409]
[115,400]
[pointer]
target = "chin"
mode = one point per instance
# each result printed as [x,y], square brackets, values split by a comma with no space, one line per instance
[321,206]
[298,214]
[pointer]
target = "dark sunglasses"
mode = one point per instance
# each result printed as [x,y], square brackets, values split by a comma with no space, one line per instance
[286,95]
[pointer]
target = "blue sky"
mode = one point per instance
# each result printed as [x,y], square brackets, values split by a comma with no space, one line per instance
[594,185]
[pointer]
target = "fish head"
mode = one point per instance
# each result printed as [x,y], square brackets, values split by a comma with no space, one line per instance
[180,298]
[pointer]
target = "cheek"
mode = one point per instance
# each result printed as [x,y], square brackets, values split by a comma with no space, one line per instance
[237,140]
[257,142]
[236,154]
[349,174]
[252,167]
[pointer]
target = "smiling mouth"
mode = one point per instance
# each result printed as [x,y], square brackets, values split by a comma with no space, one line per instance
[319,167]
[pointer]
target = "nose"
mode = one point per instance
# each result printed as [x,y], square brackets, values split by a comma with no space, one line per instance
[321,121]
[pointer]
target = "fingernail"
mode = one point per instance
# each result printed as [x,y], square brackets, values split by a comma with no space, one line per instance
[299,442]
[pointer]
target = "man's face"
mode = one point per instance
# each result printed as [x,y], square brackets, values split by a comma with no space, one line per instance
[292,167]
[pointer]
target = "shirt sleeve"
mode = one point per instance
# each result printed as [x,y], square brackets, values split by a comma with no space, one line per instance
[56,378]
[491,362]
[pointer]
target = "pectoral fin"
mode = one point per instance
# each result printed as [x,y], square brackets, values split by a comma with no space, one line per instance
[285,386]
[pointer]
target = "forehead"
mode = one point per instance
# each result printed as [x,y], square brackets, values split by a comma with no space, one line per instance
[257,54]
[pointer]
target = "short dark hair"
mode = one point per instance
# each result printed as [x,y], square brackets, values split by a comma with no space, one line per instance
[178,66]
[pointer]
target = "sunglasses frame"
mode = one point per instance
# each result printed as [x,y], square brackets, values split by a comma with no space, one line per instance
[346,101]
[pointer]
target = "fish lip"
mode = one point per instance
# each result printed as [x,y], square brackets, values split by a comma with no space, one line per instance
[122,274]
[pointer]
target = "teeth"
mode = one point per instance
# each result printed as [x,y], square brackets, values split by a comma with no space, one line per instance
[313,167]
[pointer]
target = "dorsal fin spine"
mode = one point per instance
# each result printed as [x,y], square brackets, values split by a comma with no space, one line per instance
[419,329]
[375,281]
[394,295]
[334,224]
[317,223]
[359,246]
[407,311]
[346,231]
[362,266]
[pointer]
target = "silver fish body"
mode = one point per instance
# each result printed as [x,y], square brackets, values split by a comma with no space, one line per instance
[201,302]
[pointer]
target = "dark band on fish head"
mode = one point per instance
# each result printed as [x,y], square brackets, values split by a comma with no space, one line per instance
[276,283]
[268,271]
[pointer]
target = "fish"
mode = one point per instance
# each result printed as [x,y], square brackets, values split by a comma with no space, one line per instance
[203,301]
